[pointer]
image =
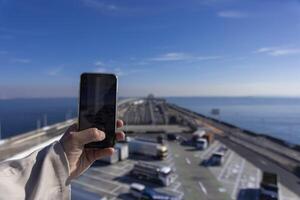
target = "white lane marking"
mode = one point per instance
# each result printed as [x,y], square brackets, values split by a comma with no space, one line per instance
[226,165]
[236,185]
[257,178]
[116,188]
[202,188]
[222,190]
[181,194]
[175,177]
[280,194]
[263,162]
[187,161]
[175,188]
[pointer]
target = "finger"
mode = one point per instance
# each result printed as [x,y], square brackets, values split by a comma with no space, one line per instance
[120,136]
[120,123]
[89,135]
[95,154]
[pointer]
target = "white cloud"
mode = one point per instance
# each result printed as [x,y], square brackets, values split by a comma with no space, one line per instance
[278,51]
[172,57]
[232,14]
[21,60]
[175,56]
[98,63]
[208,57]
[100,5]
[101,70]
[117,70]
[55,71]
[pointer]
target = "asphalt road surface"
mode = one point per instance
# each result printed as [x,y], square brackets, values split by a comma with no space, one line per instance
[286,178]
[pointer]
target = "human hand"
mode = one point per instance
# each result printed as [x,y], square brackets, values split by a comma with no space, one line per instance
[81,158]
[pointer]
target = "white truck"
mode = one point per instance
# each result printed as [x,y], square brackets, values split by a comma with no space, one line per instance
[148,171]
[201,143]
[111,159]
[147,148]
[123,150]
[199,133]
[120,153]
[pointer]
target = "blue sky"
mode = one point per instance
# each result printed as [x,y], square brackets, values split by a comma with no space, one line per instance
[169,48]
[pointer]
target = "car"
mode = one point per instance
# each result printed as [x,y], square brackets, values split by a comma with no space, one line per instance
[136,190]
[140,191]
[205,162]
[217,159]
[223,149]
[172,137]
[151,194]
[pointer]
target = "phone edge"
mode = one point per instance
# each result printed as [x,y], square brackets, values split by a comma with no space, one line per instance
[116,100]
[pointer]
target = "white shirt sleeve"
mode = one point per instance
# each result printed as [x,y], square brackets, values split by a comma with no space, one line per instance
[41,175]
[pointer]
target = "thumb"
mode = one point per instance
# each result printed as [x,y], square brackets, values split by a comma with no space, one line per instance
[88,135]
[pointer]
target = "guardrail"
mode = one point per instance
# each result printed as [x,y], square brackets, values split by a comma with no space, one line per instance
[58,127]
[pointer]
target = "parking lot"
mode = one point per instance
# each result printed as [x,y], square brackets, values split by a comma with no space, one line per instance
[113,181]
[236,178]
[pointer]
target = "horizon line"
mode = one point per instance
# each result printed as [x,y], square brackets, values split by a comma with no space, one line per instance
[169,96]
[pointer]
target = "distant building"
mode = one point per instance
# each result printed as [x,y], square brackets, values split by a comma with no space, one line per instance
[151,96]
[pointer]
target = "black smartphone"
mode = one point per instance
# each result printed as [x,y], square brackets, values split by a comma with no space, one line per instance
[97,106]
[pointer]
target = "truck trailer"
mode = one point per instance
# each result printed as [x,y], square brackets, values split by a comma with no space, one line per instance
[152,172]
[199,133]
[147,148]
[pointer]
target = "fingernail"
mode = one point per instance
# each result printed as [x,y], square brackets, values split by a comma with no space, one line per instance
[101,135]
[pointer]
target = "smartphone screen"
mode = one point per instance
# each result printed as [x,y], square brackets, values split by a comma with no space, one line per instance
[97,106]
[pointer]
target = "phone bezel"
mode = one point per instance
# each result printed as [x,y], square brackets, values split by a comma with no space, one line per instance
[116,107]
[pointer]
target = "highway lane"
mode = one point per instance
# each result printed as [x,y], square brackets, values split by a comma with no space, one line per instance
[288,179]
[149,111]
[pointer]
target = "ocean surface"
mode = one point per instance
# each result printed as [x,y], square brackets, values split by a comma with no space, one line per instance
[22,115]
[278,117]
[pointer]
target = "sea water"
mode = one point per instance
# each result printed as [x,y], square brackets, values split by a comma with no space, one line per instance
[278,117]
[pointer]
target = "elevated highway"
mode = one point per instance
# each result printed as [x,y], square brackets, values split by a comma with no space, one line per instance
[238,178]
